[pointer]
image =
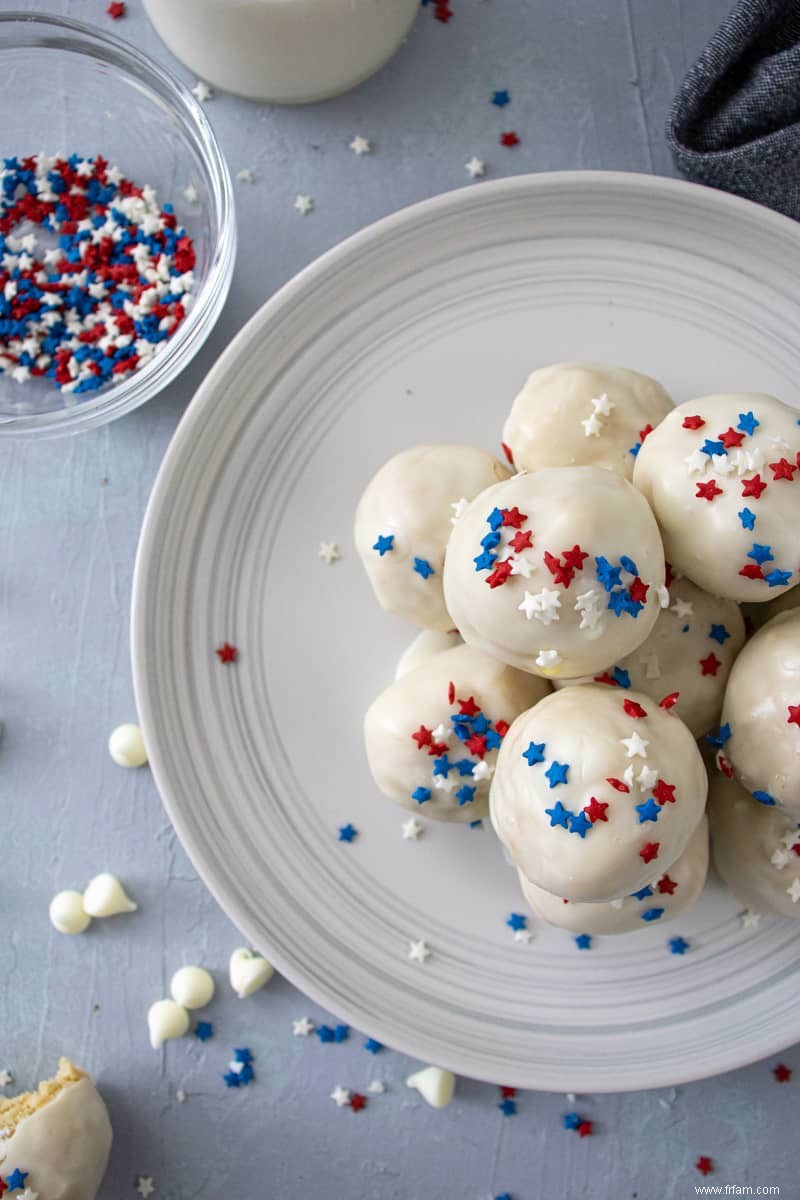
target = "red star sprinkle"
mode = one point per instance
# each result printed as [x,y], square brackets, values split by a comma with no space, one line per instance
[476,745]
[442,11]
[508,1093]
[502,727]
[645,433]
[731,437]
[3,1185]
[633,709]
[560,572]
[596,810]
[753,487]
[666,885]
[707,491]
[669,701]
[513,517]
[521,541]
[693,422]
[618,785]
[508,454]
[116,10]
[796,848]
[638,590]
[423,737]
[724,766]
[794,715]
[752,571]
[704,1165]
[500,574]
[710,665]
[782,1073]
[606,678]
[357,1101]
[226,653]
[574,558]
[468,708]
[664,792]
[650,851]
[437,748]
[509,139]
[585,1129]
[782,469]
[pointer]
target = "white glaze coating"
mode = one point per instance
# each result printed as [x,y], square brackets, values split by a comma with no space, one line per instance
[64,1144]
[752,849]
[412,498]
[680,655]
[427,643]
[583,414]
[588,730]
[192,987]
[706,539]
[435,1085]
[105,896]
[687,874]
[764,746]
[759,614]
[67,913]
[566,509]
[421,699]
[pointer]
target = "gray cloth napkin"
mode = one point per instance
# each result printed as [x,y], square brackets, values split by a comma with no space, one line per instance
[735,123]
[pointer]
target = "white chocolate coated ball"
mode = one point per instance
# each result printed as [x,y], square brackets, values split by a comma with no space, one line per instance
[427,643]
[668,894]
[762,709]
[406,511]
[126,746]
[753,849]
[192,987]
[690,651]
[583,414]
[425,751]
[726,491]
[557,573]
[67,913]
[593,800]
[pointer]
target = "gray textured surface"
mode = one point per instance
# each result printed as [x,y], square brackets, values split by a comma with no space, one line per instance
[590,85]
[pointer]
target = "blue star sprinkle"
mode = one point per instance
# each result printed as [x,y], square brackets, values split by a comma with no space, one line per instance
[764,798]
[493,739]
[442,766]
[348,833]
[678,945]
[722,735]
[719,633]
[534,753]
[609,576]
[580,824]
[490,540]
[640,895]
[652,914]
[243,1055]
[507,1107]
[232,1079]
[465,795]
[373,1046]
[203,1030]
[616,601]
[747,518]
[16,1179]
[479,723]
[778,578]
[558,815]
[709,447]
[495,519]
[464,766]
[747,423]
[634,450]
[571,1120]
[501,98]
[421,795]
[325,1033]
[385,542]
[628,564]
[516,921]
[476,824]
[583,941]
[621,678]
[423,568]
[649,811]
[760,554]
[503,1196]
[341,1033]
[485,561]
[556,773]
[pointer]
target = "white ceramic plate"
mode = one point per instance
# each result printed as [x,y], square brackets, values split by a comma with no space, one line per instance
[422,328]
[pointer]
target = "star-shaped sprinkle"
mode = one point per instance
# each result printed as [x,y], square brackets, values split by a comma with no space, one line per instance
[719,634]
[652,914]
[418,951]
[558,815]
[475,167]
[782,469]
[592,426]
[678,945]
[649,811]
[303,204]
[778,578]
[523,935]
[557,773]
[348,833]
[302,1027]
[357,1102]
[635,745]
[543,605]
[422,794]
[372,1046]
[710,664]
[780,858]
[750,919]
[245,175]
[329,552]
[794,890]
[191,194]
[760,554]
[602,405]
[458,507]
[145,1186]
[501,98]
[516,921]
[423,568]
[571,1120]
[585,1129]
[548,658]
[203,1030]
[361,145]
[693,422]
[580,824]
[664,792]
[202,91]
[596,810]
[782,1073]
[510,138]
[465,795]
[696,462]
[481,771]
[377,1087]
[116,9]
[747,518]
[753,487]
[507,1106]
[384,544]
[411,829]
[325,1034]
[226,653]
[747,423]
[6,1078]
[583,941]
[649,851]
[707,490]
[340,1096]
[704,1164]
[794,715]
[28,1194]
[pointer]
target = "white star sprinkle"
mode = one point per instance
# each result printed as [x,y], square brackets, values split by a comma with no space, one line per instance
[652,668]
[202,91]
[780,858]
[602,405]
[180,1096]
[482,771]
[548,658]
[789,838]
[340,1096]
[6,1078]
[377,1087]
[475,168]
[635,745]
[682,609]
[441,734]
[696,462]
[411,829]
[628,775]
[647,778]
[443,784]
[360,145]
[303,204]
[592,426]
[191,194]
[663,596]
[780,443]
[617,903]
[303,1027]
[522,564]
[749,919]
[523,935]
[28,1194]
[543,606]
[246,175]
[588,606]
[721,464]
[329,551]
[145,1186]
[794,890]
[458,509]
[418,951]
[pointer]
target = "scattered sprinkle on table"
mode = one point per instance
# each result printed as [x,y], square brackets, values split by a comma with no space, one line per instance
[202,91]
[204,1030]
[226,653]
[501,98]
[6,1078]
[144,1186]
[329,552]
[246,175]
[116,9]
[704,1164]
[418,951]
[678,945]
[750,919]
[357,1102]
[303,204]
[475,168]
[412,829]
[377,1087]
[508,1107]
[302,1027]
[782,1073]
[583,941]
[340,1096]
[516,921]
[240,1071]
[361,145]
[191,194]
[341,1033]
[372,1046]
[348,833]
[509,139]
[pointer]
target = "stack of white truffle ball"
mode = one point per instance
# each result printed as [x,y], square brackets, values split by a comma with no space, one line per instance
[583,637]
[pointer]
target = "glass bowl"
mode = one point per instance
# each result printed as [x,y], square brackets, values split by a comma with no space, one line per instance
[68,88]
